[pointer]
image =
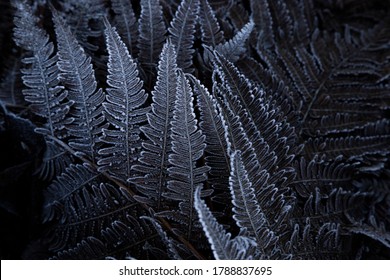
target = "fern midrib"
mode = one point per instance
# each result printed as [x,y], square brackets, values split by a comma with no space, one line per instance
[163,164]
[191,164]
[151,29]
[102,216]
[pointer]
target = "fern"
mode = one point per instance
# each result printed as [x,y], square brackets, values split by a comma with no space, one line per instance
[264,136]
[187,148]
[182,32]
[154,157]
[89,210]
[214,126]
[74,178]
[126,23]
[123,110]
[77,74]
[233,48]
[82,18]
[248,214]
[151,30]
[212,35]
[45,96]
[224,247]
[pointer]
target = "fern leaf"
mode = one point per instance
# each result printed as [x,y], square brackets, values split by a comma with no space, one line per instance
[54,162]
[223,246]
[151,29]
[187,148]
[131,236]
[44,94]
[89,248]
[212,34]
[88,211]
[122,109]
[182,32]
[265,124]
[126,23]
[247,211]
[153,162]
[77,75]
[323,174]
[235,47]
[57,194]
[213,125]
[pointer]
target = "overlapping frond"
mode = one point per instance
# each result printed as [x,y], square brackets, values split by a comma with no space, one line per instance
[270,145]
[248,213]
[88,210]
[213,125]
[78,76]
[44,94]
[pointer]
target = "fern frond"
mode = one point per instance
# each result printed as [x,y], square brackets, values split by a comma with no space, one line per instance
[89,210]
[247,211]
[130,238]
[187,148]
[56,197]
[84,20]
[182,32]
[235,47]
[123,109]
[89,248]
[78,76]
[267,129]
[224,247]
[213,125]
[44,94]
[153,161]
[151,29]
[212,34]
[321,173]
[126,24]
